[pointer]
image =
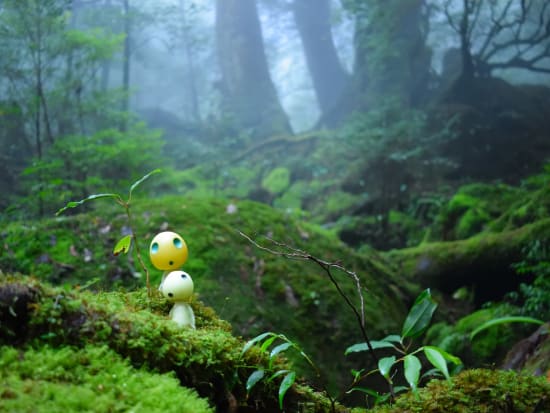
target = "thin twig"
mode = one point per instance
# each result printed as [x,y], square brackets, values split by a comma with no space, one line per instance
[297,254]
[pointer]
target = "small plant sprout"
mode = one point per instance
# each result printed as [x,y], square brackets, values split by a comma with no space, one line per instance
[125,243]
[265,341]
[416,323]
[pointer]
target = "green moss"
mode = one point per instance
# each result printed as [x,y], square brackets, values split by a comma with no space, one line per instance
[245,285]
[293,197]
[207,359]
[473,208]
[277,180]
[480,391]
[337,202]
[93,379]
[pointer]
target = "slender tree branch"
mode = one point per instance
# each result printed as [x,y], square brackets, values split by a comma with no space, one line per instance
[327,266]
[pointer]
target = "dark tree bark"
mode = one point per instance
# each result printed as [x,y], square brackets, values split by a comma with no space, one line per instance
[126,62]
[392,60]
[248,93]
[312,19]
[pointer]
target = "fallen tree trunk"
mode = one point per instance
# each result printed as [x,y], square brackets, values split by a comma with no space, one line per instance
[483,262]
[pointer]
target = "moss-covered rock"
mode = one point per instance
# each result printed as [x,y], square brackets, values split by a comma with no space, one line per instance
[479,391]
[209,359]
[277,180]
[472,208]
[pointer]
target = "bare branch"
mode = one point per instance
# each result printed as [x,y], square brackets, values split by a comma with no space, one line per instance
[297,254]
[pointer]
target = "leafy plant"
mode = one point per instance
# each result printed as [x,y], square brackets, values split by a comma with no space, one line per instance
[504,320]
[415,325]
[267,340]
[125,243]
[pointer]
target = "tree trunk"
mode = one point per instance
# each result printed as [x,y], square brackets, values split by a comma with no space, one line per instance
[191,74]
[248,93]
[126,63]
[329,77]
[392,60]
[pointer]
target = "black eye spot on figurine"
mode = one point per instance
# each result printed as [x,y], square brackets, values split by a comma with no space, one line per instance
[170,295]
[184,276]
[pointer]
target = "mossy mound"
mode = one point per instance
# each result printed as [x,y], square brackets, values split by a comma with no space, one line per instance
[91,379]
[254,290]
[45,321]
[477,391]
[472,208]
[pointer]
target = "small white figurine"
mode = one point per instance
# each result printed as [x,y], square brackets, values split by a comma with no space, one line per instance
[178,288]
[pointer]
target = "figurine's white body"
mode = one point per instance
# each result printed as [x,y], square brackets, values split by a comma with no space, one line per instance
[178,288]
[183,315]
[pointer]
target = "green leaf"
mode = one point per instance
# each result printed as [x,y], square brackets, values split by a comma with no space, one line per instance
[287,382]
[364,347]
[378,398]
[254,378]
[384,365]
[255,340]
[139,181]
[435,356]
[447,356]
[419,316]
[267,343]
[280,348]
[277,374]
[412,370]
[503,320]
[74,204]
[393,338]
[123,245]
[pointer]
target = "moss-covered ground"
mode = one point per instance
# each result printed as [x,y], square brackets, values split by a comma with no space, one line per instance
[255,290]
[121,349]
[100,311]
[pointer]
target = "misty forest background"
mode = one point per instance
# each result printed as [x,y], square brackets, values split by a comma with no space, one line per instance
[94,93]
[404,137]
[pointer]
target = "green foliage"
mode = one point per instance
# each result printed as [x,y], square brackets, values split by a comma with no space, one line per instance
[416,323]
[534,297]
[504,320]
[265,341]
[93,379]
[481,337]
[80,165]
[125,243]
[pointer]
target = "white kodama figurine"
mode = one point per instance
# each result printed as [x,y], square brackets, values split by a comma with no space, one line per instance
[178,288]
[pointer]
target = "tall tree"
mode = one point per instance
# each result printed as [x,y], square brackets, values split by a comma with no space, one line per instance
[392,60]
[248,93]
[500,35]
[313,21]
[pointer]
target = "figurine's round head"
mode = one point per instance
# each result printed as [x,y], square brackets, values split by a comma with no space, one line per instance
[168,251]
[177,286]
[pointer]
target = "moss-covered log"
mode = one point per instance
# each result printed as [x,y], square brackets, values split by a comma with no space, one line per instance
[483,261]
